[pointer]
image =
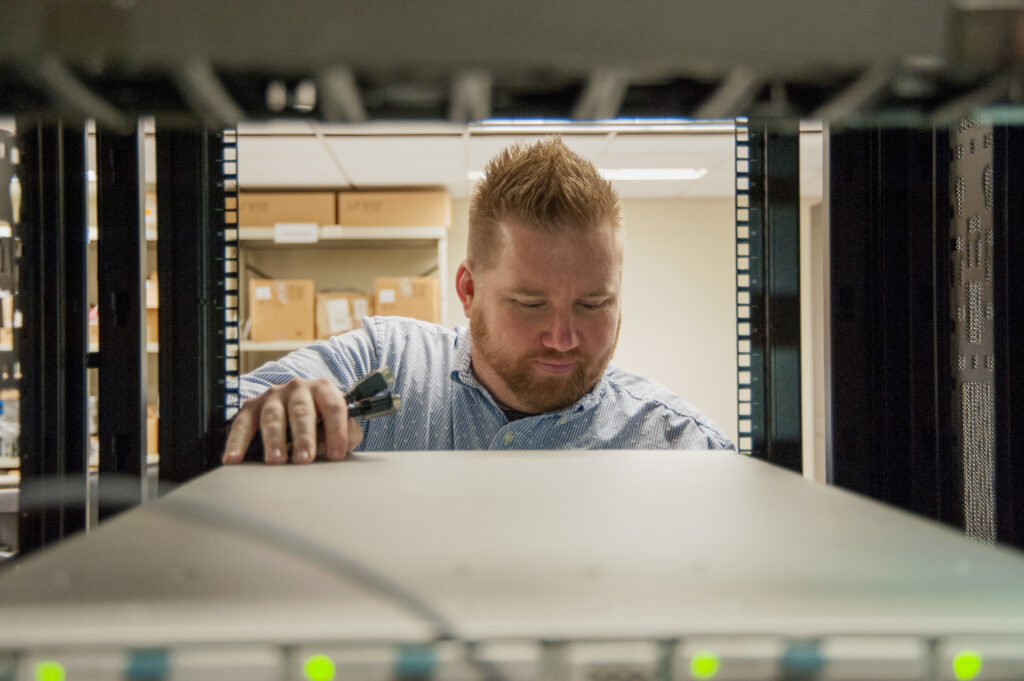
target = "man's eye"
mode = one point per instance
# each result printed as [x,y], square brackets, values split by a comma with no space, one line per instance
[593,306]
[529,304]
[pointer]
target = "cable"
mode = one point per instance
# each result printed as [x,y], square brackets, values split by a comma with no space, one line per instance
[316,553]
[362,401]
[124,490]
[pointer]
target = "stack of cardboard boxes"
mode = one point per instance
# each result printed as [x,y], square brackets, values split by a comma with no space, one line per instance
[152,309]
[152,336]
[6,320]
[293,309]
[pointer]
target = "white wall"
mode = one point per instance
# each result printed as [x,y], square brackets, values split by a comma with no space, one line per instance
[679,301]
[679,298]
[811,329]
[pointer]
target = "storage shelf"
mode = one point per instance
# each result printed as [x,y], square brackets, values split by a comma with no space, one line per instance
[346,233]
[13,463]
[273,346]
[151,348]
[94,235]
[346,237]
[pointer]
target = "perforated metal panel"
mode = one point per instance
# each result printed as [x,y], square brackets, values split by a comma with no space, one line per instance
[768,290]
[229,211]
[748,284]
[9,248]
[972,343]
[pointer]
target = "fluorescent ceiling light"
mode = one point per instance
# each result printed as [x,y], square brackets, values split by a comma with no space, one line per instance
[631,174]
[650,174]
[554,125]
[524,121]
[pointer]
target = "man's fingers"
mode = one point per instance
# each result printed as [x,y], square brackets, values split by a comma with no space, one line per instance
[334,415]
[355,434]
[272,427]
[302,417]
[314,412]
[241,434]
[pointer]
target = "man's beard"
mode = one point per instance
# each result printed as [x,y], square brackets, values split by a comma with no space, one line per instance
[539,393]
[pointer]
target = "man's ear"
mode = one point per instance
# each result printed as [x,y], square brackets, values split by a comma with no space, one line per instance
[465,287]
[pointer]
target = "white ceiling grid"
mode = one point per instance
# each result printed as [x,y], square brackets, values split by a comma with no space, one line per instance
[290,155]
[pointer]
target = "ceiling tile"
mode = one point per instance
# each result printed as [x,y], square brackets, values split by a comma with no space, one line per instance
[483,147]
[666,151]
[292,161]
[401,160]
[442,159]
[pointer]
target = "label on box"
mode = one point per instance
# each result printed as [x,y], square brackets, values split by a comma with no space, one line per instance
[385,296]
[405,288]
[296,232]
[360,308]
[262,293]
[338,317]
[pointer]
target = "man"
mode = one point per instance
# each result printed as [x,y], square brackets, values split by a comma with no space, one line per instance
[541,287]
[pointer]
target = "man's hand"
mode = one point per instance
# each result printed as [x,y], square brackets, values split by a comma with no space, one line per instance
[299,404]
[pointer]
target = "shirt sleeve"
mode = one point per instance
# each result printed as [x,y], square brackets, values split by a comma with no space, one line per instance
[717,440]
[343,359]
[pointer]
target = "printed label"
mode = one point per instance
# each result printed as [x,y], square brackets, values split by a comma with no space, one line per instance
[338,317]
[360,308]
[296,232]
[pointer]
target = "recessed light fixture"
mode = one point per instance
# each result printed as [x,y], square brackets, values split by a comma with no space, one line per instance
[631,174]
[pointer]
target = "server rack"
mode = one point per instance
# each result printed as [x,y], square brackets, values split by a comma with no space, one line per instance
[51,345]
[768,290]
[946,63]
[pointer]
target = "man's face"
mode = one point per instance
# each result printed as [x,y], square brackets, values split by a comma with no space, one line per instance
[545,318]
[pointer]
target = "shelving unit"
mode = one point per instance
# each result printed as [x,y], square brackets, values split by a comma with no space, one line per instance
[346,233]
[151,348]
[382,240]
[273,346]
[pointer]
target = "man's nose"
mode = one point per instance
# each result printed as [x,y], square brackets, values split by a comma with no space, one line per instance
[561,332]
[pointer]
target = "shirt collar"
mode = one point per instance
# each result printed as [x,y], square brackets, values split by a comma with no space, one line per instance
[462,372]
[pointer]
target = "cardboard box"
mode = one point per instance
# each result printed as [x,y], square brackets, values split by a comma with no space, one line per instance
[152,325]
[150,213]
[395,209]
[417,297]
[281,309]
[338,312]
[152,291]
[264,209]
[6,319]
[152,433]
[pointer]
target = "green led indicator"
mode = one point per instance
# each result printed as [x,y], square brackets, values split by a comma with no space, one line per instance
[48,670]
[319,668]
[967,665]
[704,665]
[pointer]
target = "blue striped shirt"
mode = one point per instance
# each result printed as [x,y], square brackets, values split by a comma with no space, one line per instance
[444,406]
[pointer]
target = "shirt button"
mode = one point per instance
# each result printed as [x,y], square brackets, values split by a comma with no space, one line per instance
[508,436]
[561,420]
